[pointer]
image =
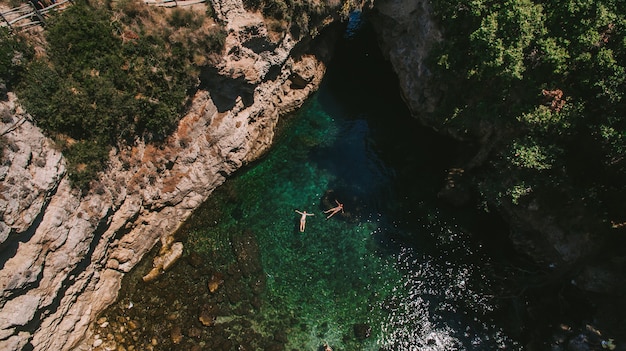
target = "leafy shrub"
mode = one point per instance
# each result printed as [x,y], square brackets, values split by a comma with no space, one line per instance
[85,159]
[214,40]
[132,9]
[81,39]
[15,53]
[528,153]
[99,90]
[185,18]
[295,15]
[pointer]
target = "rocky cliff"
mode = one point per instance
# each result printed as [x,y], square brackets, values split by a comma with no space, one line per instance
[63,253]
[568,242]
[407,31]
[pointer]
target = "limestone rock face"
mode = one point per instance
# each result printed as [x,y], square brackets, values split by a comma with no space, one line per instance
[63,254]
[30,171]
[549,239]
[407,32]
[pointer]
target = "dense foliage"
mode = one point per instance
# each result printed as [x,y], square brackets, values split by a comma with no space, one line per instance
[14,54]
[549,76]
[106,81]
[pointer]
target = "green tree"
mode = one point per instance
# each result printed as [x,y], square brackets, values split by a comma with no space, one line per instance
[550,78]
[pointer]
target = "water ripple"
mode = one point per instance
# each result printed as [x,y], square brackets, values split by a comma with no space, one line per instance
[430,308]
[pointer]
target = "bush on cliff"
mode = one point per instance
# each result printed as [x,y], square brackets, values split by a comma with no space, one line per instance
[15,53]
[550,77]
[109,79]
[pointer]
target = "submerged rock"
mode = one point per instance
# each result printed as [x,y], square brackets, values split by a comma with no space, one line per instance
[362,331]
[166,258]
[207,316]
[195,260]
[216,280]
[176,334]
[194,332]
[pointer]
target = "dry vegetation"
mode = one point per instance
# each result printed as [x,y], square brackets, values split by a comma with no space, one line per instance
[110,73]
[193,27]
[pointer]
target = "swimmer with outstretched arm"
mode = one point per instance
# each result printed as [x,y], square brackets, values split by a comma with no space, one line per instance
[334,210]
[303,219]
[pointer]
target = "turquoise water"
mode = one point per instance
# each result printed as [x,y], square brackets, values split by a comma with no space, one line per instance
[332,276]
[392,261]
[398,270]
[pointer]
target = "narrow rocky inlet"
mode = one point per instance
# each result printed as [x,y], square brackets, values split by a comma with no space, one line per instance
[398,269]
[447,240]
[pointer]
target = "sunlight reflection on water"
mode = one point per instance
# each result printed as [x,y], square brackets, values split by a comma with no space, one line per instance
[435,307]
[389,262]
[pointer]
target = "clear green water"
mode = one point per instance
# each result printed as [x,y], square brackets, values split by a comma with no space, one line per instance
[394,260]
[332,276]
[397,260]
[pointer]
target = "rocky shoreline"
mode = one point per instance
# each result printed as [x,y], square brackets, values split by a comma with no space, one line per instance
[64,254]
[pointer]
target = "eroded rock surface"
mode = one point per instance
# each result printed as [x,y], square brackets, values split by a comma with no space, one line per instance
[408,32]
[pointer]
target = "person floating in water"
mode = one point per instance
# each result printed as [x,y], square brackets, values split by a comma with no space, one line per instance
[334,210]
[303,219]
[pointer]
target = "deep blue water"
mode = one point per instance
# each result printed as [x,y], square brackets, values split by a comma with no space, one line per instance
[399,266]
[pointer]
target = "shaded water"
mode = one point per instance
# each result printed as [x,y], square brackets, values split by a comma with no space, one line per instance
[397,270]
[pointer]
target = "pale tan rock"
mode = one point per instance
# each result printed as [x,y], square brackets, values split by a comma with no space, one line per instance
[215,282]
[168,255]
[206,319]
[176,334]
[152,275]
[18,311]
[175,252]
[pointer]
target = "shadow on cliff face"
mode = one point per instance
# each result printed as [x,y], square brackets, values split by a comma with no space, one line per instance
[225,90]
[10,246]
